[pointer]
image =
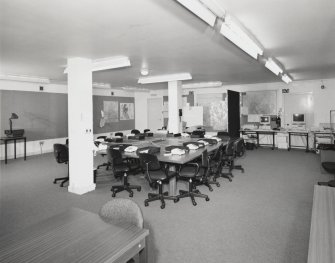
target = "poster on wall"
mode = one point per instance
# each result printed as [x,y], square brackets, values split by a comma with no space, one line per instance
[110,113]
[126,111]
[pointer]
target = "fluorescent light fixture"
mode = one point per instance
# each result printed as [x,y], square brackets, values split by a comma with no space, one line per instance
[25,78]
[286,78]
[273,66]
[211,84]
[108,63]
[101,85]
[215,7]
[134,89]
[164,78]
[240,38]
[199,10]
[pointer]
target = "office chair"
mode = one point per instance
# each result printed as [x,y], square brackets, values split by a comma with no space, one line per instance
[119,134]
[330,168]
[239,149]
[190,172]
[121,168]
[223,157]
[146,130]
[223,135]
[157,175]
[102,137]
[61,153]
[135,132]
[119,210]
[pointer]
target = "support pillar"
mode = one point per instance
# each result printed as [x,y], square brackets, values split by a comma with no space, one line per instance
[175,103]
[80,125]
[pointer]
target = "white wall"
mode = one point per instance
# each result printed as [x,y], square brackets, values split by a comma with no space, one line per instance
[34,147]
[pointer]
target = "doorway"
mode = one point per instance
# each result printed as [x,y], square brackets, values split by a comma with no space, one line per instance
[155,113]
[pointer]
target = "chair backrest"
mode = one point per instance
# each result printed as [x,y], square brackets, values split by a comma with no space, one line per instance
[230,148]
[217,154]
[119,134]
[61,153]
[198,134]
[135,132]
[114,156]
[223,135]
[102,137]
[239,147]
[146,130]
[120,210]
[204,158]
[149,162]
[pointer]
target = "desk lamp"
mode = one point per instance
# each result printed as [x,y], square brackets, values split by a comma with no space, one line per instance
[13,117]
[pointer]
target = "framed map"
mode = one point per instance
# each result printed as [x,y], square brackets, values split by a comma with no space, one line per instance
[260,102]
[110,113]
[126,111]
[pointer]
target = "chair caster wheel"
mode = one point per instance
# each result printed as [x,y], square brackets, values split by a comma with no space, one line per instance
[218,185]
[207,199]
[131,194]
[162,206]
[176,200]
[113,194]
[211,189]
[139,189]
[146,204]
[55,182]
[194,203]
[243,171]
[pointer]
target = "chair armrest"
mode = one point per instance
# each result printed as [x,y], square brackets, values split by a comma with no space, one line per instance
[196,167]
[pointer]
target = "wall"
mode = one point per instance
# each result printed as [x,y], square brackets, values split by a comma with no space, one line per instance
[42,137]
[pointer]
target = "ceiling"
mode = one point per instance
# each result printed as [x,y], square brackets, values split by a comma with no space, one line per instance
[38,36]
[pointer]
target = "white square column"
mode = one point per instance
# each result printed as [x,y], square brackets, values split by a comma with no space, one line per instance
[175,103]
[80,125]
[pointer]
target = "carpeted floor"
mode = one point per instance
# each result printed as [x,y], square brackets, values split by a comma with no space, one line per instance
[262,216]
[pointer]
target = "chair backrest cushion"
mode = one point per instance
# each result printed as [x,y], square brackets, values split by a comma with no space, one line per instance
[120,210]
[61,153]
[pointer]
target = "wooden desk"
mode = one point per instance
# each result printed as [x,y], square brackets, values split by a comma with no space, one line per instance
[7,139]
[74,236]
[322,234]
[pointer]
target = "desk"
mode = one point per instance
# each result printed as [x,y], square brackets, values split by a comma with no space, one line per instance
[174,160]
[264,132]
[323,134]
[297,133]
[74,236]
[7,139]
[322,234]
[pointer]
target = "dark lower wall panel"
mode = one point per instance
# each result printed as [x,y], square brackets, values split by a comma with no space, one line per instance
[42,115]
[98,106]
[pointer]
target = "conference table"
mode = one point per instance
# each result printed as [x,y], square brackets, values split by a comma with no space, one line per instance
[173,160]
[74,236]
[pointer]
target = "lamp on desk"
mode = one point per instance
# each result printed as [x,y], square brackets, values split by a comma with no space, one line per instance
[13,117]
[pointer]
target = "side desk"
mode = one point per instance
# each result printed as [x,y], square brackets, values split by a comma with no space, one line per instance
[7,139]
[74,236]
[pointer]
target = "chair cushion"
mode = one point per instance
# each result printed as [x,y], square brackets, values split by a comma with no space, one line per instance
[158,175]
[329,166]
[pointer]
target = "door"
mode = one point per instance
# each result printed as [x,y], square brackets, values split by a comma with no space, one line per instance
[155,113]
[233,113]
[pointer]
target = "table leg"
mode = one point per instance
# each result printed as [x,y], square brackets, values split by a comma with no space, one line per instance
[143,258]
[25,149]
[5,152]
[257,139]
[14,148]
[173,182]
[307,150]
[273,141]
[289,142]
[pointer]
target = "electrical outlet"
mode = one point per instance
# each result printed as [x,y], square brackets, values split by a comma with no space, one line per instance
[41,143]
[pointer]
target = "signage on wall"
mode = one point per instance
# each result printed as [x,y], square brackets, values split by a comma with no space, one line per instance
[285,90]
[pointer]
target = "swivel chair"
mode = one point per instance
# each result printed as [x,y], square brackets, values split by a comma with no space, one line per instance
[61,153]
[198,134]
[157,175]
[102,137]
[239,151]
[330,168]
[134,131]
[146,130]
[119,134]
[120,167]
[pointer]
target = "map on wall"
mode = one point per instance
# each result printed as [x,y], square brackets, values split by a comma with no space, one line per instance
[110,113]
[215,110]
[260,102]
[126,111]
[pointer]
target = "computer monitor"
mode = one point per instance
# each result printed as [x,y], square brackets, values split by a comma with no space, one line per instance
[298,118]
[265,120]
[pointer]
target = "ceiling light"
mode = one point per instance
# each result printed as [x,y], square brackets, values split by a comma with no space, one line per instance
[240,38]
[286,78]
[273,66]
[144,71]
[135,88]
[164,78]
[200,10]
[108,63]
[25,78]
[202,85]
[215,7]
[101,85]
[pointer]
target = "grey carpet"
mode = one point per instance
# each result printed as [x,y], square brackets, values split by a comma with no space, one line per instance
[262,216]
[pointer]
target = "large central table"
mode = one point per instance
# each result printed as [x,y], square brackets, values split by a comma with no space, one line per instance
[74,236]
[173,160]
